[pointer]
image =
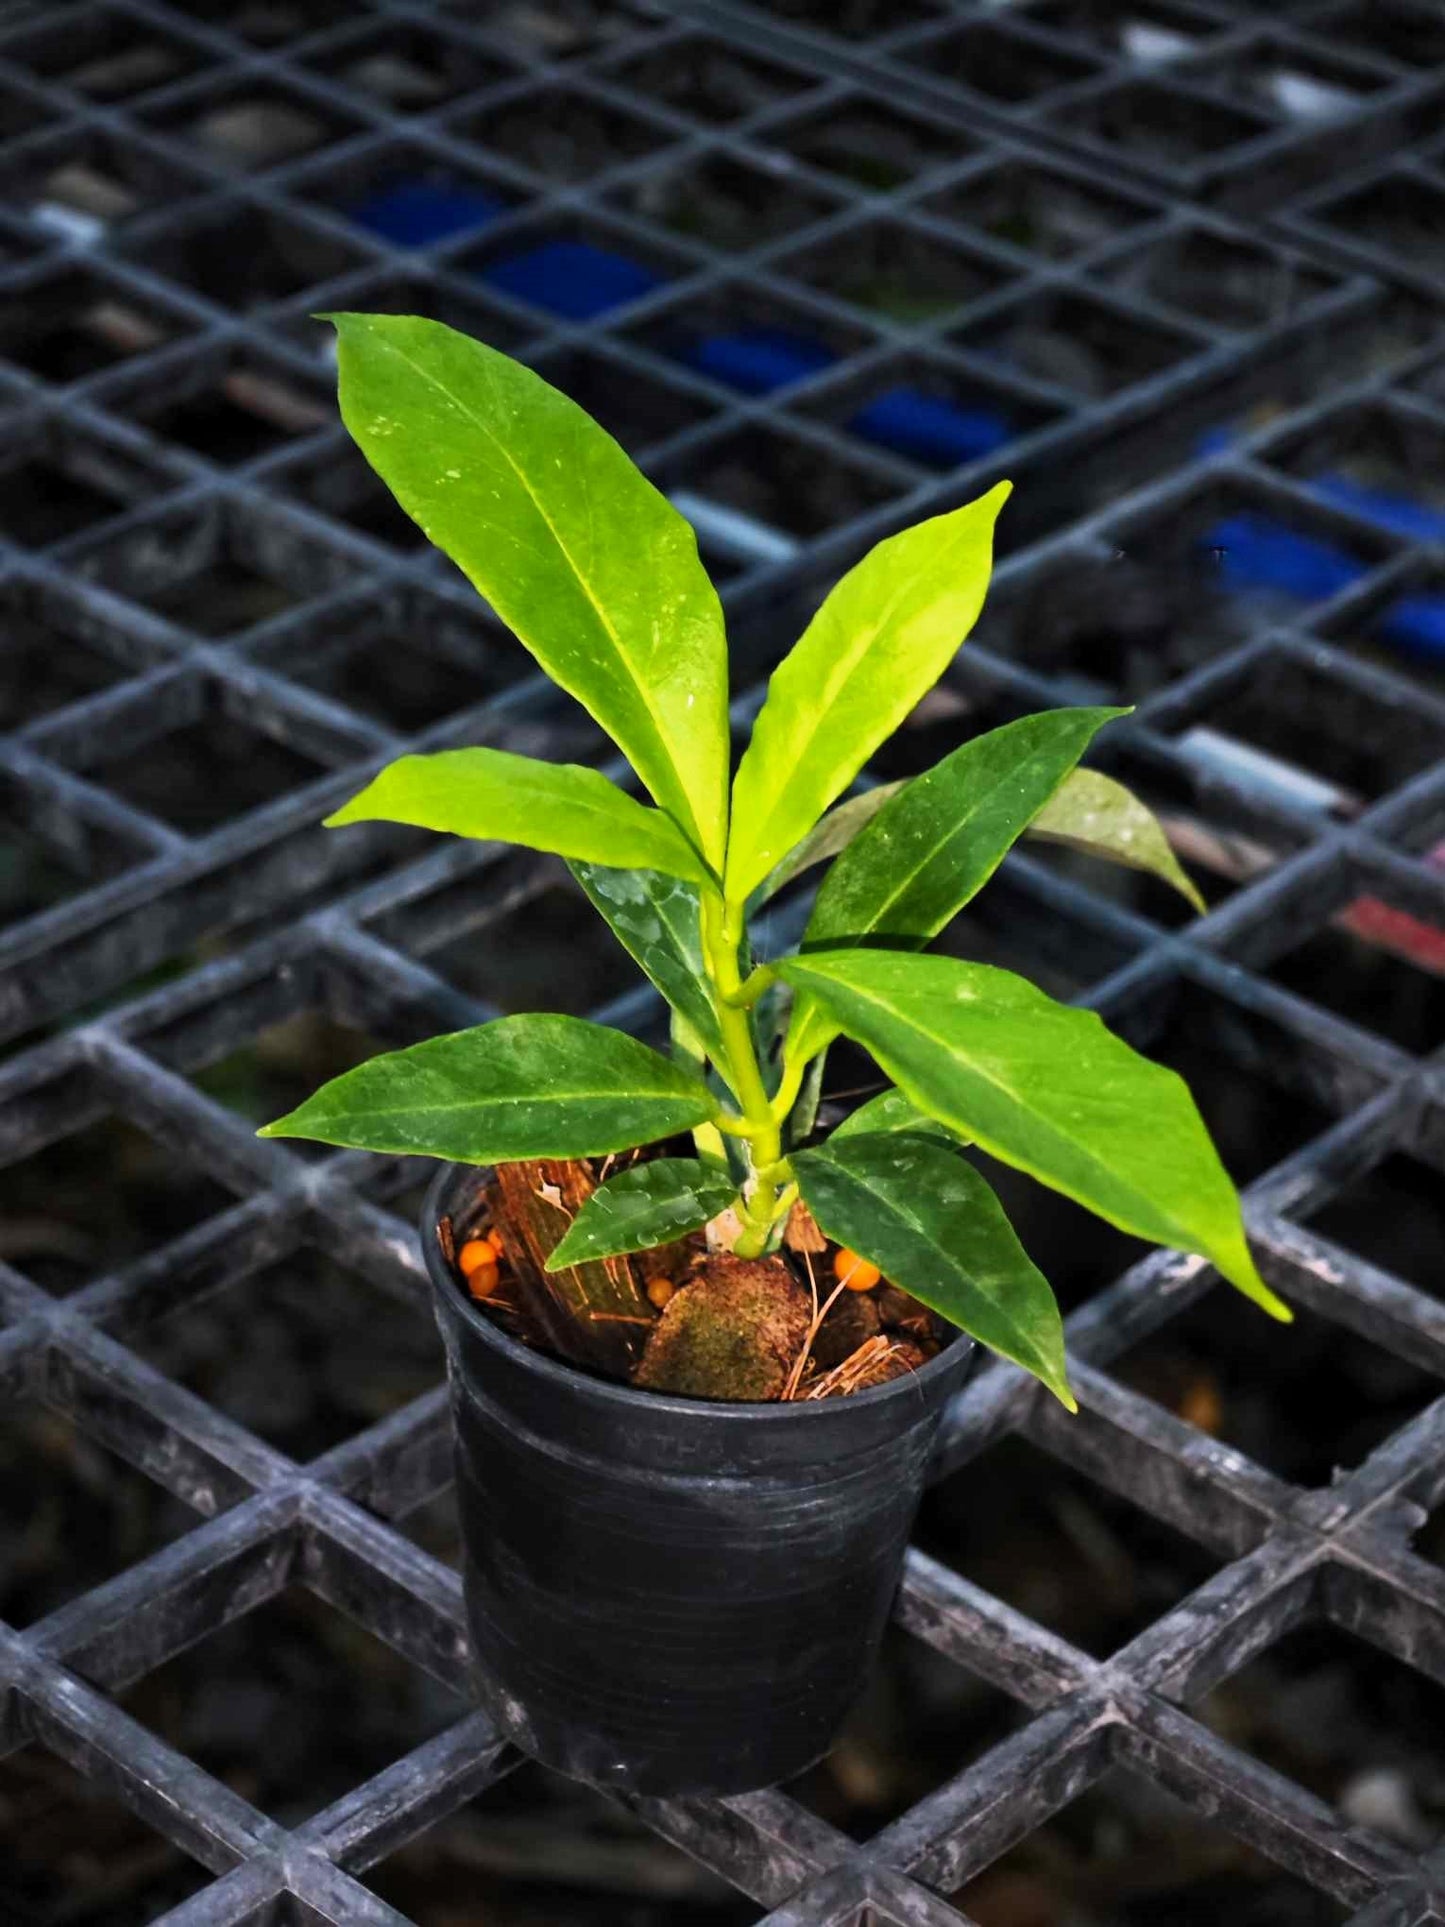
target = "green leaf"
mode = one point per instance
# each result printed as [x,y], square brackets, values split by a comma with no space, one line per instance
[577,552]
[826,838]
[650,1204]
[558,807]
[1043,1086]
[522,1087]
[1093,813]
[891,1111]
[931,1224]
[884,635]
[657,920]
[939,840]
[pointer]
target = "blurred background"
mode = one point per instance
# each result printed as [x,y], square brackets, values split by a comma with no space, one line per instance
[824,267]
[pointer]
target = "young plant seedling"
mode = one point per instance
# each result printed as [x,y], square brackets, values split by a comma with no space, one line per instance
[599,577]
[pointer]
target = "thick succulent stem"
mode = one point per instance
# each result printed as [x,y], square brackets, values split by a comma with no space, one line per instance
[761,1119]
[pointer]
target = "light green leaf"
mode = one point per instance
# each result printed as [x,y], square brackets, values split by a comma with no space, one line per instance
[826,838]
[1043,1086]
[574,548]
[657,920]
[558,807]
[931,1224]
[891,1111]
[938,841]
[522,1087]
[650,1204]
[1093,813]
[884,635]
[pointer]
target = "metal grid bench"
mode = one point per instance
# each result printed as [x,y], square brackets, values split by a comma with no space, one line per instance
[1187,370]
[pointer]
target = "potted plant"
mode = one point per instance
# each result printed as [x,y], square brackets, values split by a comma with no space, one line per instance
[688,1454]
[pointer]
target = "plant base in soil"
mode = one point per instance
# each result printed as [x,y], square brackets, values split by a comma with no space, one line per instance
[682,1318]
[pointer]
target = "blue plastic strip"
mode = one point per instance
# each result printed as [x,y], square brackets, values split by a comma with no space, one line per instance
[1394,512]
[760,361]
[415,213]
[930,430]
[1257,553]
[755,361]
[571,278]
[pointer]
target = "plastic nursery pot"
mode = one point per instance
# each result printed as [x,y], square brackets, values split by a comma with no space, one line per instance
[672,1595]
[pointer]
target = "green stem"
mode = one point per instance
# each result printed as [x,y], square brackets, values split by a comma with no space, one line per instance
[722,932]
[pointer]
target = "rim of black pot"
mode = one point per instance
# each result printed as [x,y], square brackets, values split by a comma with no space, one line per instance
[771,1411]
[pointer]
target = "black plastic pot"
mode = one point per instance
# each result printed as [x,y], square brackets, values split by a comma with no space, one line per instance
[672,1595]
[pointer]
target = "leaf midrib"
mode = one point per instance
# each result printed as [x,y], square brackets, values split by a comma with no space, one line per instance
[1033,1115]
[847,666]
[588,800]
[889,1203]
[960,828]
[584,583]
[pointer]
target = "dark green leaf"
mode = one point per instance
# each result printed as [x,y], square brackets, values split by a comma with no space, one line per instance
[558,807]
[931,1224]
[650,1204]
[938,841]
[883,636]
[522,1087]
[657,921]
[577,552]
[1045,1087]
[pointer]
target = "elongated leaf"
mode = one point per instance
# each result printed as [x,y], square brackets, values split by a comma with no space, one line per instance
[657,920]
[522,1087]
[832,833]
[939,840]
[1093,813]
[931,1224]
[650,1204]
[888,1112]
[574,548]
[1045,1087]
[558,807]
[884,635]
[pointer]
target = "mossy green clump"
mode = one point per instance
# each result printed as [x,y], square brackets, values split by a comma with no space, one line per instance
[735,1332]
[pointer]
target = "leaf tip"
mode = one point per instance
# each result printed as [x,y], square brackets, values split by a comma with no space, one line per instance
[1276,1307]
[1066,1398]
[349,812]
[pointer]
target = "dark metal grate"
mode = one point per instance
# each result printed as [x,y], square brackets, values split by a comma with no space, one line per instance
[1226,440]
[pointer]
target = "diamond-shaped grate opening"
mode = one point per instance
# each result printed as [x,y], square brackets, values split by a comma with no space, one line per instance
[1006,66]
[106,55]
[1399,216]
[1308,1407]
[69,321]
[706,79]
[74,1515]
[1135,1854]
[872,145]
[407,68]
[265,1352]
[248,126]
[552,1850]
[231,1703]
[70,1851]
[1058,1547]
[1041,209]
[63,1230]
